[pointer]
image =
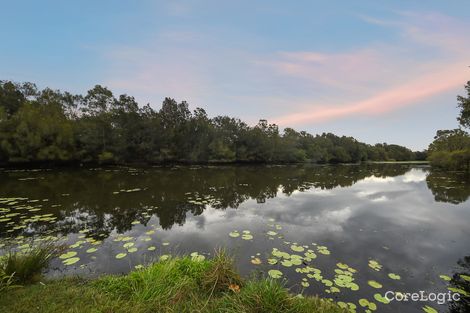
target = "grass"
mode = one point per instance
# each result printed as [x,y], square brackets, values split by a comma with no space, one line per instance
[25,267]
[174,285]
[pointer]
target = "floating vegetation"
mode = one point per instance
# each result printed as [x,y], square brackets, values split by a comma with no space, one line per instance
[165,257]
[366,304]
[121,255]
[256,261]
[271,233]
[195,256]
[128,244]
[445,277]
[351,307]
[429,309]
[151,248]
[323,250]
[394,276]
[132,250]
[234,234]
[71,261]
[275,274]
[91,250]
[373,264]
[465,277]
[381,298]
[68,255]
[297,248]
[374,284]
[247,235]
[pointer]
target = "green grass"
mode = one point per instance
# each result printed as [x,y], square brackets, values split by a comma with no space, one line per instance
[26,267]
[174,285]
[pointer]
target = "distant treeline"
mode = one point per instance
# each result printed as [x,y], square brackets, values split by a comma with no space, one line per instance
[60,127]
[451,148]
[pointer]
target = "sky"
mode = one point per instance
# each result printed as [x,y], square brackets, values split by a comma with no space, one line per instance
[380,71]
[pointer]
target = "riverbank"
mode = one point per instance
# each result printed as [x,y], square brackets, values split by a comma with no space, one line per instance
[174,285]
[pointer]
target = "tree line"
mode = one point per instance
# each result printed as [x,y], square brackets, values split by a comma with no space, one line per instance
[60,127]
[451,148]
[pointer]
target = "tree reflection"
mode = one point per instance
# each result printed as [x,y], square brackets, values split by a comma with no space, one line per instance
[452,187]
[96,199]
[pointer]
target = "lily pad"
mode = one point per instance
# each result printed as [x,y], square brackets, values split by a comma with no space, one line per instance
[71,261]
[128,244]
[394,276]
[297,248]
[381,298]
[91,250]
[445,277]
[151,248]
[275,273]
[68,255]
[429,309]
[234,234]
[256,261]
[374,284]
[120,255]
[247,236]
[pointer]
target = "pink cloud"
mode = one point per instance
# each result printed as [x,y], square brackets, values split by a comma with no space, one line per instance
[432,58]
[448,78]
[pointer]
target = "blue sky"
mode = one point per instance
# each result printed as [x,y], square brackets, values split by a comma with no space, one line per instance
[381,71]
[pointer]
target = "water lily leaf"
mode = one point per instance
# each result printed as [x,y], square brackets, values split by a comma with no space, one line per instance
[71,261]
[445,277]
[272,261]
[373,264]
[150,232]
[374,284]
[151,248]
[132,250]
[139,267]
[364,302]
[165,243]
[305,284]
[247,236]
[394,276]
[120,255]
[275,273]
[234,234]
[91,250]
[68,255]
[128,244]
[286,263]
[271,233]
[342,266]
[381,298]
[297,248]
[429,309]
[164,257]
[465,277]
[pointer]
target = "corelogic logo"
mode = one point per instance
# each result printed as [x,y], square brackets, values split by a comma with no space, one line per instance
[422,296]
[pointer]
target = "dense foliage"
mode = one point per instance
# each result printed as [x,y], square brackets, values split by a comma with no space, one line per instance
[451,148]
[53,126]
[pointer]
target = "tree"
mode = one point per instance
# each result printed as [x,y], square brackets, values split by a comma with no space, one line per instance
[464,105]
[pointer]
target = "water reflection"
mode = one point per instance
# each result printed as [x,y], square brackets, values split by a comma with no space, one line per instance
[89,196]
[390,213]
[452,187]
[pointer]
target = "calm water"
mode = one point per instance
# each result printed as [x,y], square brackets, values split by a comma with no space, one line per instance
[400,219]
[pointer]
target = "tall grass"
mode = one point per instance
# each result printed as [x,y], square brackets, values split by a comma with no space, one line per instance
[26,267]
[174,285]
